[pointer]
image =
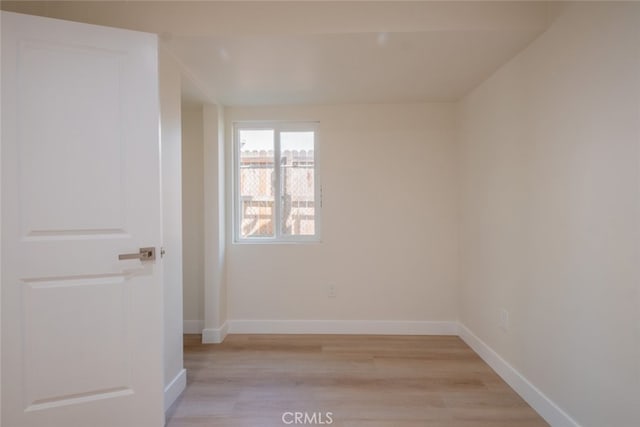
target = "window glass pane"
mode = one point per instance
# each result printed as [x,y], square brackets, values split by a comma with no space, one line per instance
[256,186]
[297,174]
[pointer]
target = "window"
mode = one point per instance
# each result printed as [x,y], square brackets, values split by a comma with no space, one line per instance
[277,190]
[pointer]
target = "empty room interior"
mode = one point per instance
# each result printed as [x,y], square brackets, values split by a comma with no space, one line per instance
[379,214]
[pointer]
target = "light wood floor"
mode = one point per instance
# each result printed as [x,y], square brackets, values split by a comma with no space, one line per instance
[370,381]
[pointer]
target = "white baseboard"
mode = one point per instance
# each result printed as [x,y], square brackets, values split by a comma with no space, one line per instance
[174,389]
[192,326]
[361,327]
[544,406]
[215,336]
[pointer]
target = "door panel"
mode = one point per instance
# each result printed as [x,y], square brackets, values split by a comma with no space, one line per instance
[102,304]
[61,202]
[81,329]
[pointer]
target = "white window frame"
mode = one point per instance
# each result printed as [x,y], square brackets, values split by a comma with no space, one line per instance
[277,127]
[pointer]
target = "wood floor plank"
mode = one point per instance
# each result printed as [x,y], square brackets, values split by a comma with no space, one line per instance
[368,381]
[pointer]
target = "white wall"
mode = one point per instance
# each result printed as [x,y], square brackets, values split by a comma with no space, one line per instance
[193,218]
[389,224]
[174,374]
[549,150]
[215,297]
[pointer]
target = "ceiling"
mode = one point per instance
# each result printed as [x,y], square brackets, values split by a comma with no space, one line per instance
[323,52]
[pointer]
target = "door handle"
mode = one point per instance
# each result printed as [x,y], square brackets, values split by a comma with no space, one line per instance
[145,254]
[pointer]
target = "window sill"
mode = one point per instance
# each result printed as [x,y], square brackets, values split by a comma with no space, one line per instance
[313,241]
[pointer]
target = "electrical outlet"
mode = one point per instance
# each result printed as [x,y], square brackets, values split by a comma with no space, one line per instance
[332,292]
[504,319]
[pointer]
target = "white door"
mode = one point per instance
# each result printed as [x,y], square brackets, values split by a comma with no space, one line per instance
[81,329]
